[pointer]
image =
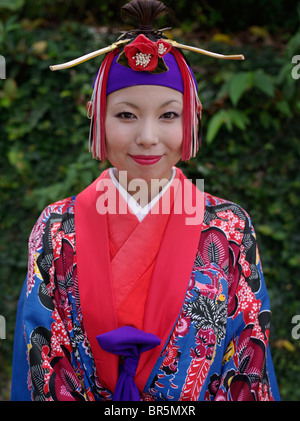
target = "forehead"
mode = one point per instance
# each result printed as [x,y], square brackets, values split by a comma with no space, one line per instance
[145,95]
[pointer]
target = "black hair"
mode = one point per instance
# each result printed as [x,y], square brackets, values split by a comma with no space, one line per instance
[145,12]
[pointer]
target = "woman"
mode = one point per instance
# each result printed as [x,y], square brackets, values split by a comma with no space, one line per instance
[142,287]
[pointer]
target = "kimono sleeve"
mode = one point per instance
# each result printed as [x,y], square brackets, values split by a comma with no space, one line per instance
[43,353]
[31,314]
[19,387]
[248,372]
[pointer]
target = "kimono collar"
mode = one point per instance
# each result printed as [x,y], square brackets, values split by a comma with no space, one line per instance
[139,211]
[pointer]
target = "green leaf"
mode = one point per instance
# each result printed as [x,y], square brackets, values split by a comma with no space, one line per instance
[264,82]
[283,107]
[123,60]
[229,118]
[214,125]
[265,230]
[238,118]
[239,84]
[265,119]
[161,67]
[10,89]
[11,4]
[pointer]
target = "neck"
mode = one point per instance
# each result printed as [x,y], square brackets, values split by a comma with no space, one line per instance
[143,191]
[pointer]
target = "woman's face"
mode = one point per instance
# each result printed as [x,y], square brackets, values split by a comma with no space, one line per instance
[144,131]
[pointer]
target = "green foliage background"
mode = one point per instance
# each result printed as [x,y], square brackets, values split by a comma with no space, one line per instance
[250,150]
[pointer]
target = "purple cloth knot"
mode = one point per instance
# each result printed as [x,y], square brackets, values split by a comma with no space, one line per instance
[130,365]
[128,342]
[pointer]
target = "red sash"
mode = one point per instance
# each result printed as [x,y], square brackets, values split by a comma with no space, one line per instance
[170,273]
[134,246]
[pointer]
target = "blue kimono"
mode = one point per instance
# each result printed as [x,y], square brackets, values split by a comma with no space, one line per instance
[216,349]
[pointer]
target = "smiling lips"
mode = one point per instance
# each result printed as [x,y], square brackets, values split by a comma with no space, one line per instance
[146,159]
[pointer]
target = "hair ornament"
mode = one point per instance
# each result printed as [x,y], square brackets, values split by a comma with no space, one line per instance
[89,56]
[145,55]
[123,42]
[145,11]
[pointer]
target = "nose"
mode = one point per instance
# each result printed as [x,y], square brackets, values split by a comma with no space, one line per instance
[147,134]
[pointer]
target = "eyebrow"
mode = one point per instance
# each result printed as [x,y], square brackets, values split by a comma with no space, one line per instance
[127,103]
[130,104]
[169,102]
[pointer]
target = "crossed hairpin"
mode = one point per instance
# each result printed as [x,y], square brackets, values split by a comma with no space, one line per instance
[122,42]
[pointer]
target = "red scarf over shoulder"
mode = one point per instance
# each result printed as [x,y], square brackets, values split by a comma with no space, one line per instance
[136,276]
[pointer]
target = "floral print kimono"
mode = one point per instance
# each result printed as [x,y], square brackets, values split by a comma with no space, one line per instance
[198,287]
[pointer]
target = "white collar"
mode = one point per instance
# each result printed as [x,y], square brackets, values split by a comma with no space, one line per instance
[139,211]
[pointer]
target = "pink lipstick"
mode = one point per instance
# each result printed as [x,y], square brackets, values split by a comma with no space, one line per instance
[146,159]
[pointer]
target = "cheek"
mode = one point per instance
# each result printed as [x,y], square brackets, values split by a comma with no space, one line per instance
[113,135]
[174,137]
[110,141]
[177,142]
[117,135]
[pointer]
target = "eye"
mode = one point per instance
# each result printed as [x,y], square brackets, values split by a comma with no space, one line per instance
[170,115]
[125,115]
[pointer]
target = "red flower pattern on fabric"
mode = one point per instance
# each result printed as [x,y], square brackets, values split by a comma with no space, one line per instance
[143,54]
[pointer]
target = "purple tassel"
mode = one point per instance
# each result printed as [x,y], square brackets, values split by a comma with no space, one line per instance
[128,342]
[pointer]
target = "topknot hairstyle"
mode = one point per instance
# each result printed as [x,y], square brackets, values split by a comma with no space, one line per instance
[145,12]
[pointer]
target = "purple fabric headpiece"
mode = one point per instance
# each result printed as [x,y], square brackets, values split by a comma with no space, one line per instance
[120,77]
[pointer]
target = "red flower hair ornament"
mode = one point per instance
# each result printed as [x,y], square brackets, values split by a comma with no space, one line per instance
[145,55]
